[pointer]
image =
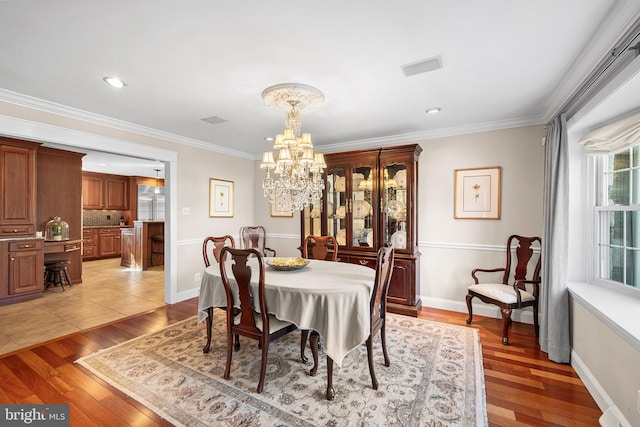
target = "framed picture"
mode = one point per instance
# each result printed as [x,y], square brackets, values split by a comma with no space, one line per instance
[477,193]
[220,198]
[276,212]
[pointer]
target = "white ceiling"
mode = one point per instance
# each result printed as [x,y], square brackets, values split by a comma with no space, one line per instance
[505,63]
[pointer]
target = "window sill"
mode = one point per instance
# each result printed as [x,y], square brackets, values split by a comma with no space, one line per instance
[618,310]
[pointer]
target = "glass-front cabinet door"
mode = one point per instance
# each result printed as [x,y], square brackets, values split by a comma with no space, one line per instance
[394,204]
[350,197]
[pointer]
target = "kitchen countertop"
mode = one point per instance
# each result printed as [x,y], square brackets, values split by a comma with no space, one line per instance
[108,226]
[5,239]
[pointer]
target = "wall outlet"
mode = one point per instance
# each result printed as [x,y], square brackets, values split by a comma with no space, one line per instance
[197,277]
[186,211]
[108,217]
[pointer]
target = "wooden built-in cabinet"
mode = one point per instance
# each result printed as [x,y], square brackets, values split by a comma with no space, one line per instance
[89,243]
[101,242]
[105,191]
[22,270]
[59,194]
[109,242]
[127,244]
[17,187]
[370,201]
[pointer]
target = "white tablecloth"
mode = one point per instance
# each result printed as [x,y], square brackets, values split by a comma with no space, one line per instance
[329,297]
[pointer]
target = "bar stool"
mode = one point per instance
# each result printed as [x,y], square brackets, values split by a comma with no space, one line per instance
[55,272]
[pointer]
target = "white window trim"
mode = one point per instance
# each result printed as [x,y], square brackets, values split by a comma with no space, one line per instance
[615,304]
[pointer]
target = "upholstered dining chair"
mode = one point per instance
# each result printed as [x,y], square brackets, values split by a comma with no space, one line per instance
[522,268]
[255,237]
[249,323]
[320,247]
[212,245]
[384,268]
[216,243]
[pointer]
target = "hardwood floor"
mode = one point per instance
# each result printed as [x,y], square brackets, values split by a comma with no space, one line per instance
[523,386]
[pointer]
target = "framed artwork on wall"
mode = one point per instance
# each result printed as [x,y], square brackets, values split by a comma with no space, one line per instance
[220,198]
[477,193]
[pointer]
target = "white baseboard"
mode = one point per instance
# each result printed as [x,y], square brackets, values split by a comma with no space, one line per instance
[611,417]
[479,308]
[185,295]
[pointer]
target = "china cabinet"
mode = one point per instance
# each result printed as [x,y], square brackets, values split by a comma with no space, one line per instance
[370,201]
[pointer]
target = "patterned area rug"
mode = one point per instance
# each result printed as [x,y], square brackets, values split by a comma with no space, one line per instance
[435,378]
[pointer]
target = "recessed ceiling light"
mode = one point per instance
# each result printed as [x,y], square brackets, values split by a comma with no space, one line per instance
[114,81]
[268,138]
[433,110]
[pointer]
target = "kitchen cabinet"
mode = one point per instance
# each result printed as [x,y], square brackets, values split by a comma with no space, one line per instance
[105,191]
[143,232]
[109,245]
[101,242]
[17,187]
[23,270]
[127,243]
[89,243]
[370,201]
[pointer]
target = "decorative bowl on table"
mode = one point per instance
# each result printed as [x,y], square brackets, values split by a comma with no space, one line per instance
[286,263]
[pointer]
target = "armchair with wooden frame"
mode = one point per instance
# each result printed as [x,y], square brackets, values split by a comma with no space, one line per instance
[255,237]
[522,268]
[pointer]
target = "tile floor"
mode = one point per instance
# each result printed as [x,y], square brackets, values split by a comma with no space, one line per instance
[108,292]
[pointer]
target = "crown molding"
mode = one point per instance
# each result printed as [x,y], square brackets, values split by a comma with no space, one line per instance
[620,19]
[74,113]
[432,134]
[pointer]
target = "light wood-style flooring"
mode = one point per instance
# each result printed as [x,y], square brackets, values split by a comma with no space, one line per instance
[108,292]
[523,387]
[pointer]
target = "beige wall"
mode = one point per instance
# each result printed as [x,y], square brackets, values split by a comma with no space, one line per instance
[611,363]
[450,247]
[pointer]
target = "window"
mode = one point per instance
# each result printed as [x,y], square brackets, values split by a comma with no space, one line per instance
[618,217]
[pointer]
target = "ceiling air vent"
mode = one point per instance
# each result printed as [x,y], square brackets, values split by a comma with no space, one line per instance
[423,66]
[214,120]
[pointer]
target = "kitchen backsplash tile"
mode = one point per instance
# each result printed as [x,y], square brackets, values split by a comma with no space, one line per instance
[100,218]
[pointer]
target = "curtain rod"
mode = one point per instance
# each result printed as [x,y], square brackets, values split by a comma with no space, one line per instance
[617,58]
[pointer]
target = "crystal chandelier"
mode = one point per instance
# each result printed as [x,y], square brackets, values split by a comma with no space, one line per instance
[295,179]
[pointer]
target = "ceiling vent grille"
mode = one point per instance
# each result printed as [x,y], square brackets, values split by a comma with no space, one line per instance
[423,66]
[214,120]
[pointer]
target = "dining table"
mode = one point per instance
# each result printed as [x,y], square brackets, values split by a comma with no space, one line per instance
[329,298]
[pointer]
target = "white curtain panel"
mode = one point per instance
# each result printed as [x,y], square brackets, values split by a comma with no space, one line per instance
[554,296]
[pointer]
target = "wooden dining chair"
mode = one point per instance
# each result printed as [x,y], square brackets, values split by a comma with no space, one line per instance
[212,245]
[216,243]
[255,237]
[320,247]
[522,268]
[378,307]
[257,325]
